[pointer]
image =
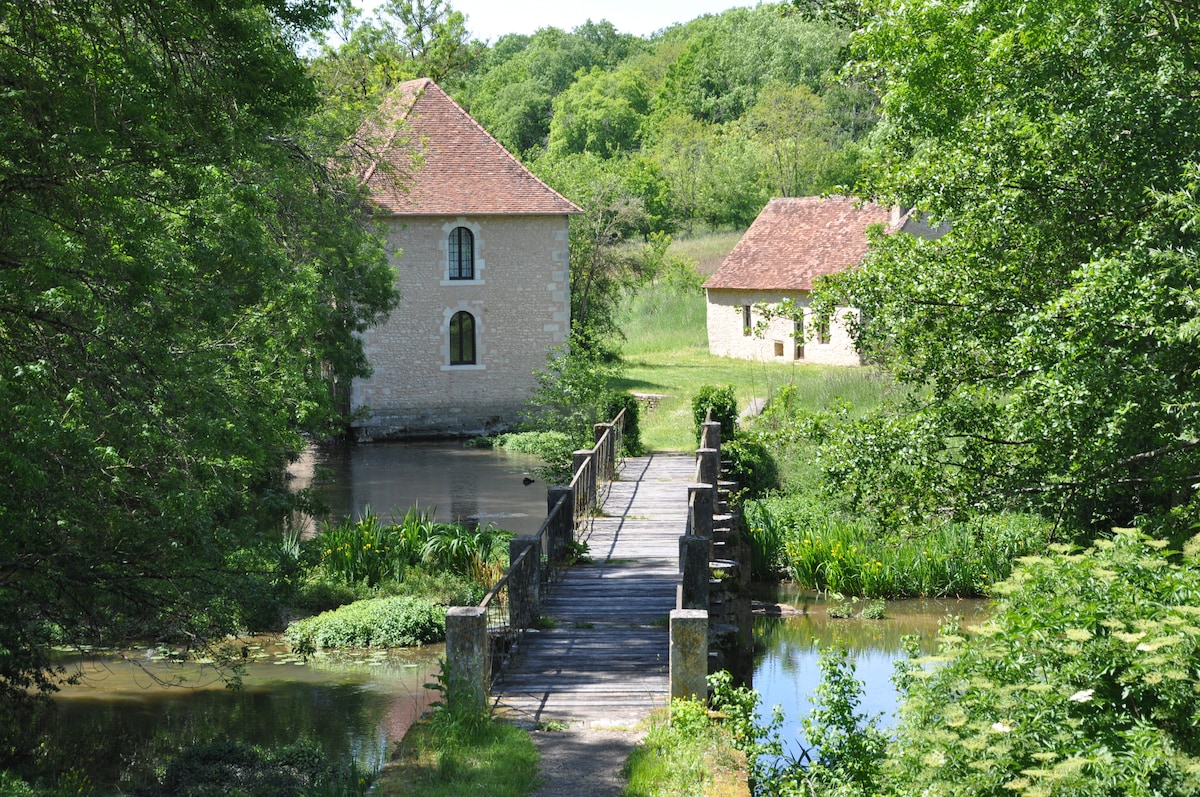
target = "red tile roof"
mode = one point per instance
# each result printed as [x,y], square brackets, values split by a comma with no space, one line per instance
[435,160]
[794,241]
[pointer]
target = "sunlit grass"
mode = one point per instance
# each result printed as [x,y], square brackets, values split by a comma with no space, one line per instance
[707,250]
[671,763]
[449,759]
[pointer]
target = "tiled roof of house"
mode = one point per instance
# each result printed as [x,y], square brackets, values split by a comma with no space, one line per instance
[433,159]
[794,241]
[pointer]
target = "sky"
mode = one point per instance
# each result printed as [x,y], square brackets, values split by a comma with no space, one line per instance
[488,20]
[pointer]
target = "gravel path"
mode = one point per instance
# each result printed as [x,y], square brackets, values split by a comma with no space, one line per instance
[583,763]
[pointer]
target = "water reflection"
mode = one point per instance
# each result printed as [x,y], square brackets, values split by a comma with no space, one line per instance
[786,671]
[465,485]
[120,724]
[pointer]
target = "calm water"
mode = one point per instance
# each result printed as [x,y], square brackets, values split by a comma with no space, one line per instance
[121,722]
[786,671]
[462,484]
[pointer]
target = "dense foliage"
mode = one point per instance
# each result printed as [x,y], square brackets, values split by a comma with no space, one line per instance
[695,126]
[1080,683]
[1052,332]
[183,280]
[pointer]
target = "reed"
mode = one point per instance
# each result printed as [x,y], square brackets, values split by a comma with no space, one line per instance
[830,553]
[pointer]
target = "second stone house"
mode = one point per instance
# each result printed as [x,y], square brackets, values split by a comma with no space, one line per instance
[793,242]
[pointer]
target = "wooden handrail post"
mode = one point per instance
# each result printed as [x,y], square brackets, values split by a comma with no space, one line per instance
[701,500]
[710,434]
[583,462]
[693,573]
[605,436]
[562,526]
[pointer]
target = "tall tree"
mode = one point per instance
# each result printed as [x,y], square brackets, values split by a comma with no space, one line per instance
[600,266]
[181,287]
[1053,331]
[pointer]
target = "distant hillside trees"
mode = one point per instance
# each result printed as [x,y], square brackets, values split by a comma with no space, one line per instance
[698,125]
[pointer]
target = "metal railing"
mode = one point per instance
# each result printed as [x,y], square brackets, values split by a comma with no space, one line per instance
[515,603]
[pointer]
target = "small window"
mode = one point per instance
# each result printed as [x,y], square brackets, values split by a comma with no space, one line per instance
[746,320]
[798,337]
[462,339]
[823,332]
[462,254]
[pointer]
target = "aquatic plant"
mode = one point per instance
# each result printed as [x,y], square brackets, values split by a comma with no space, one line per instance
[401,621]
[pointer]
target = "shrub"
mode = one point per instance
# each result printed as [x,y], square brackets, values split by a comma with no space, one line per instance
[751,465]
[1082,682]
[466,550]
[849,746]
[826,551]
[378,622]
[12,786]
[632,436]
[573,390]
[723,403]
[766,539]
[555,449]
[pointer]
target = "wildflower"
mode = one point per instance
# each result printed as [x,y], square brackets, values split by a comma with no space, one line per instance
[1082,696]
[1001,727]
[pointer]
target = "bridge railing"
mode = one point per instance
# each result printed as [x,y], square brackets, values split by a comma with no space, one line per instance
[481,639]
[690,621]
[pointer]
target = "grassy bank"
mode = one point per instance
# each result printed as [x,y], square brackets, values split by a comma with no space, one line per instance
[444,757]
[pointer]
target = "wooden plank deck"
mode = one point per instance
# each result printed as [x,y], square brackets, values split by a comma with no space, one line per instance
[605,661]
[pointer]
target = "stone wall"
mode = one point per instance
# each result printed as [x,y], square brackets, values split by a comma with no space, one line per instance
[519,300]
[778,342]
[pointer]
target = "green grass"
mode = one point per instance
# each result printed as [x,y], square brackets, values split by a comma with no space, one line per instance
[706,250]
[447,758]
[824,551]
[685,759]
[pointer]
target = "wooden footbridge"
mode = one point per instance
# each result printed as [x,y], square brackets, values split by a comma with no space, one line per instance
[604,641]
[600,657]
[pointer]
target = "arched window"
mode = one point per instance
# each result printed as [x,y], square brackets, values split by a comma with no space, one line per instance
[462,339]
[462,254]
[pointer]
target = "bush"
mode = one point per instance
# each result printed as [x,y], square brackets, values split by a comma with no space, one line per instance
[573,390]
[751,465]
[1082,682]
[472,551]
[632,436]
[370,551]
[826,551]
[13,786]
[556,449]
[723,403]
[378,622]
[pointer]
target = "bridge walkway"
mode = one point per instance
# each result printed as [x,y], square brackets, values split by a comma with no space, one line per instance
[602,659]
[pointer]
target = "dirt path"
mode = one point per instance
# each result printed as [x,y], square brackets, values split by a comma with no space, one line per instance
[583,763]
